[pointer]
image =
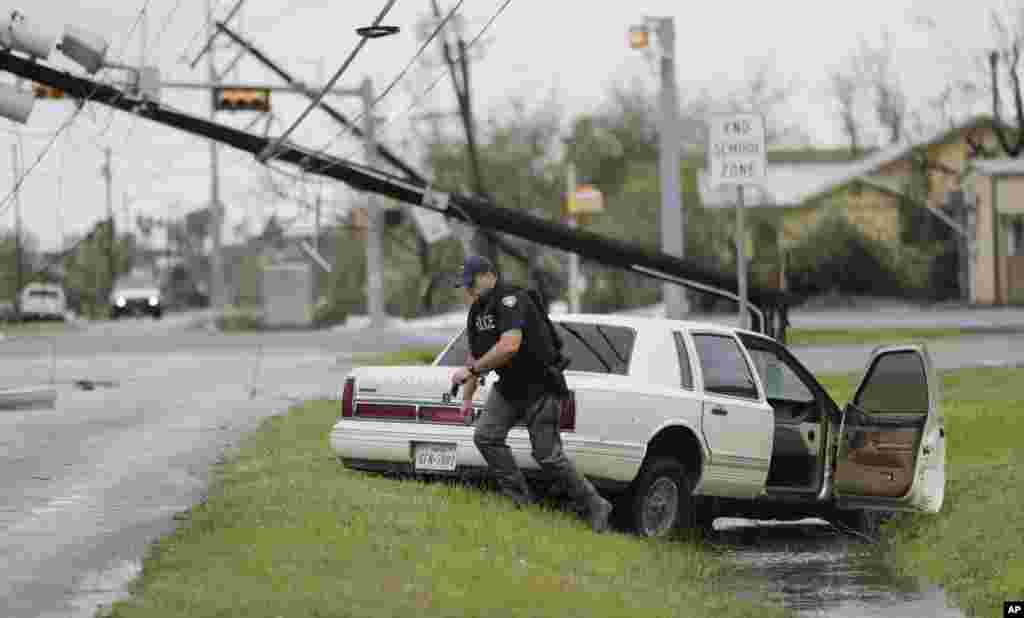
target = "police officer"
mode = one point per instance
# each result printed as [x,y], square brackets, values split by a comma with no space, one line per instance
[508,334]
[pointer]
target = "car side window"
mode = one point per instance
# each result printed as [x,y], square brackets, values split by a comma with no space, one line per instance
[779,379]
[685,370]
[897,383]
[723,366]
[597,348]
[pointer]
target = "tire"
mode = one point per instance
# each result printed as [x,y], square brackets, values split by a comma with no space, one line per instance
[660,503]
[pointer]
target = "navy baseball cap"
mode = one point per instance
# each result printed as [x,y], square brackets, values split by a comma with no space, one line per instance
[471,267]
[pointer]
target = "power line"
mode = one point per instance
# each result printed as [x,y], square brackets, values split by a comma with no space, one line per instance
[7,201]
[441,75]
[347,130]
[168,19]
[316,102]
[167,23]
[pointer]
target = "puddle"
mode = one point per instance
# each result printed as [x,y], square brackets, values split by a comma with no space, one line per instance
[817,571]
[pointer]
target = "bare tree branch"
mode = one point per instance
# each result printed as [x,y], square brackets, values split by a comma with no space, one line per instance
[1017,100]
[993,60]
[845,88]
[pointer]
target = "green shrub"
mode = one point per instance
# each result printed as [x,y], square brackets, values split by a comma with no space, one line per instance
[235,319]
[837,257]
[327,313]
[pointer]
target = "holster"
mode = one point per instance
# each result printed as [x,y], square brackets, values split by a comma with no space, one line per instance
[555,377]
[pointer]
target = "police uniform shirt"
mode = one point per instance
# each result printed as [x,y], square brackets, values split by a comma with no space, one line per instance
[503,309]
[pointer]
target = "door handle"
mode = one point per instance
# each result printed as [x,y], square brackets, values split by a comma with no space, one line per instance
[719,411]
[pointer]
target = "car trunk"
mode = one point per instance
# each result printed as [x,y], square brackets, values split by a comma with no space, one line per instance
[417,395]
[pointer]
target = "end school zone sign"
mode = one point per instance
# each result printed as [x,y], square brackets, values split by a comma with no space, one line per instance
[736,149]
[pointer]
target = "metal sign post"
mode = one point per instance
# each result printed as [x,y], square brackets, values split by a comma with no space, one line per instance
[737,157]
[741,258]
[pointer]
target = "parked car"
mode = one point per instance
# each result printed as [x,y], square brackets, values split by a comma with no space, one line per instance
[682,422]
[136,295]
[43,301]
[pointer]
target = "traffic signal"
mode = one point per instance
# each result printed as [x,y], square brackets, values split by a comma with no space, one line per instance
[639,37]
[242,99]
[47,92]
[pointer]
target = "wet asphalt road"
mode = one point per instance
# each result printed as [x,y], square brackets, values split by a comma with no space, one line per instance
[87,487]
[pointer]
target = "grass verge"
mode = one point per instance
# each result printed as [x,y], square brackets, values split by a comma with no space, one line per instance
[974,546]
[811,336]
[408,356]
[23,329]
[287,531]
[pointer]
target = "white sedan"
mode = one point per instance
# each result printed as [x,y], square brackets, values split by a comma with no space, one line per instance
[682,422]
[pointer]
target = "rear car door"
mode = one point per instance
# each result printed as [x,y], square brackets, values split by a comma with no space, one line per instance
[891,450]
[737,423]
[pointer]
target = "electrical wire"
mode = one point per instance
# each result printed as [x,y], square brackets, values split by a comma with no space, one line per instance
[168,19]
[440,76]
[166,24]
[337,75]
[183,57]
[5,204]
[394,82]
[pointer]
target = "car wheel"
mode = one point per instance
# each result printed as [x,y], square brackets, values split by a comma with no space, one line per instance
[660,502]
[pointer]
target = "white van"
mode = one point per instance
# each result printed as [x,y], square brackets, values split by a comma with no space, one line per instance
[43,301]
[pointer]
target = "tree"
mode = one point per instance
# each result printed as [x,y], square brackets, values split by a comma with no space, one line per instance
[1009,37]
[845,87]
[868,73]
[8,260]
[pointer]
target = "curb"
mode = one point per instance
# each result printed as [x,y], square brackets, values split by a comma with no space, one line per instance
[31,398]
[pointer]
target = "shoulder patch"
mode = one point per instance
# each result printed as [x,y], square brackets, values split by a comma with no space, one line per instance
[509,301]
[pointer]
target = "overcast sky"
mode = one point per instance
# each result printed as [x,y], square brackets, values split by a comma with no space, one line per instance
[577,48]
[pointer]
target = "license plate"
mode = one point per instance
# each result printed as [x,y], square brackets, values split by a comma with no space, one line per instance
[435,457]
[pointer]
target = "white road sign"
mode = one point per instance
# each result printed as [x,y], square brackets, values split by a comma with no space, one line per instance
[736,149]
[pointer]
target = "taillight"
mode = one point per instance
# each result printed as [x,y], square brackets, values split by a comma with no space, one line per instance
[442,415]
[386,410]
[348,398]
[567,420]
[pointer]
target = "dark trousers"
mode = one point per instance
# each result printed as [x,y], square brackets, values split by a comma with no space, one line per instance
[542,421]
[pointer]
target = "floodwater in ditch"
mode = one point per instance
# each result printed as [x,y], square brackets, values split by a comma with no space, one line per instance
[816,570]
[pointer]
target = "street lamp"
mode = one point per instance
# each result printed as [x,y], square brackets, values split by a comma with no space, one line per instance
[18,33]
[85,48]
[16,104]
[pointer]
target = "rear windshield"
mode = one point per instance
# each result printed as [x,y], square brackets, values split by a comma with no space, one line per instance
[43,294]
[596,348]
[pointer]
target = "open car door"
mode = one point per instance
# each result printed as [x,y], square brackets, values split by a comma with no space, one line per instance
[891,443]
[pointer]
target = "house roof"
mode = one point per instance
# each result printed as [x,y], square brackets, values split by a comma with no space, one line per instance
[793,185]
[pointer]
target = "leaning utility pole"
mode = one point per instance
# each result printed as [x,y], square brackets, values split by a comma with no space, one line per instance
[459,72]
[216,221]
[374,217]
[19,268]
